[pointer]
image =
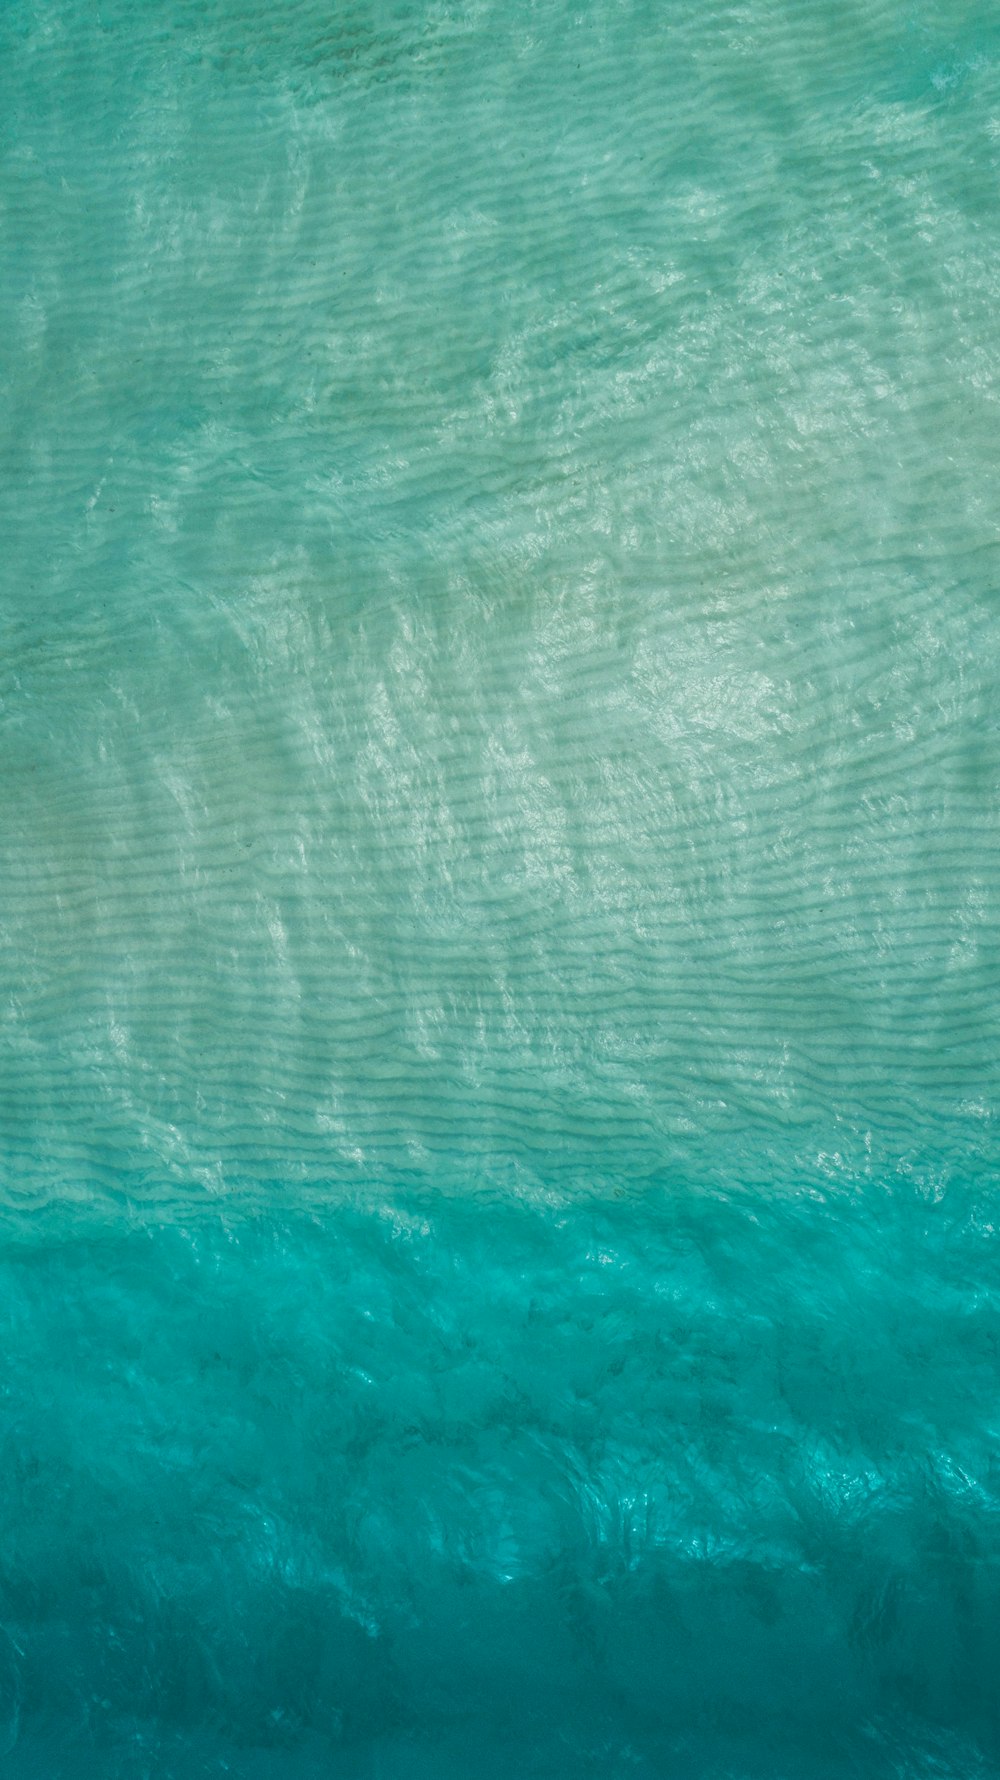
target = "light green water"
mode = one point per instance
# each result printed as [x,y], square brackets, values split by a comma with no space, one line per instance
[500,621]
[500,587]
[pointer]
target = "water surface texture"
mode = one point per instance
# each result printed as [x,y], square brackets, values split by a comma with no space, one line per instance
[499,890]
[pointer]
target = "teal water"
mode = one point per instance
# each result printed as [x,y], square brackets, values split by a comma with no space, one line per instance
[499,890]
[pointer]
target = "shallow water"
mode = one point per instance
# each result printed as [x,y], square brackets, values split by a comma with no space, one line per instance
[499,889]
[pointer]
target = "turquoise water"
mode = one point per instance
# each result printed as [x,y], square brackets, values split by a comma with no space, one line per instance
[499,890]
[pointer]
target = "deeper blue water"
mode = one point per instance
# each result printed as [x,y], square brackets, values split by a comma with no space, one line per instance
[499,890]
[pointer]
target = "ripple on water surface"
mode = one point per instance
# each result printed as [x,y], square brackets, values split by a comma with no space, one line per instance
[498,889]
